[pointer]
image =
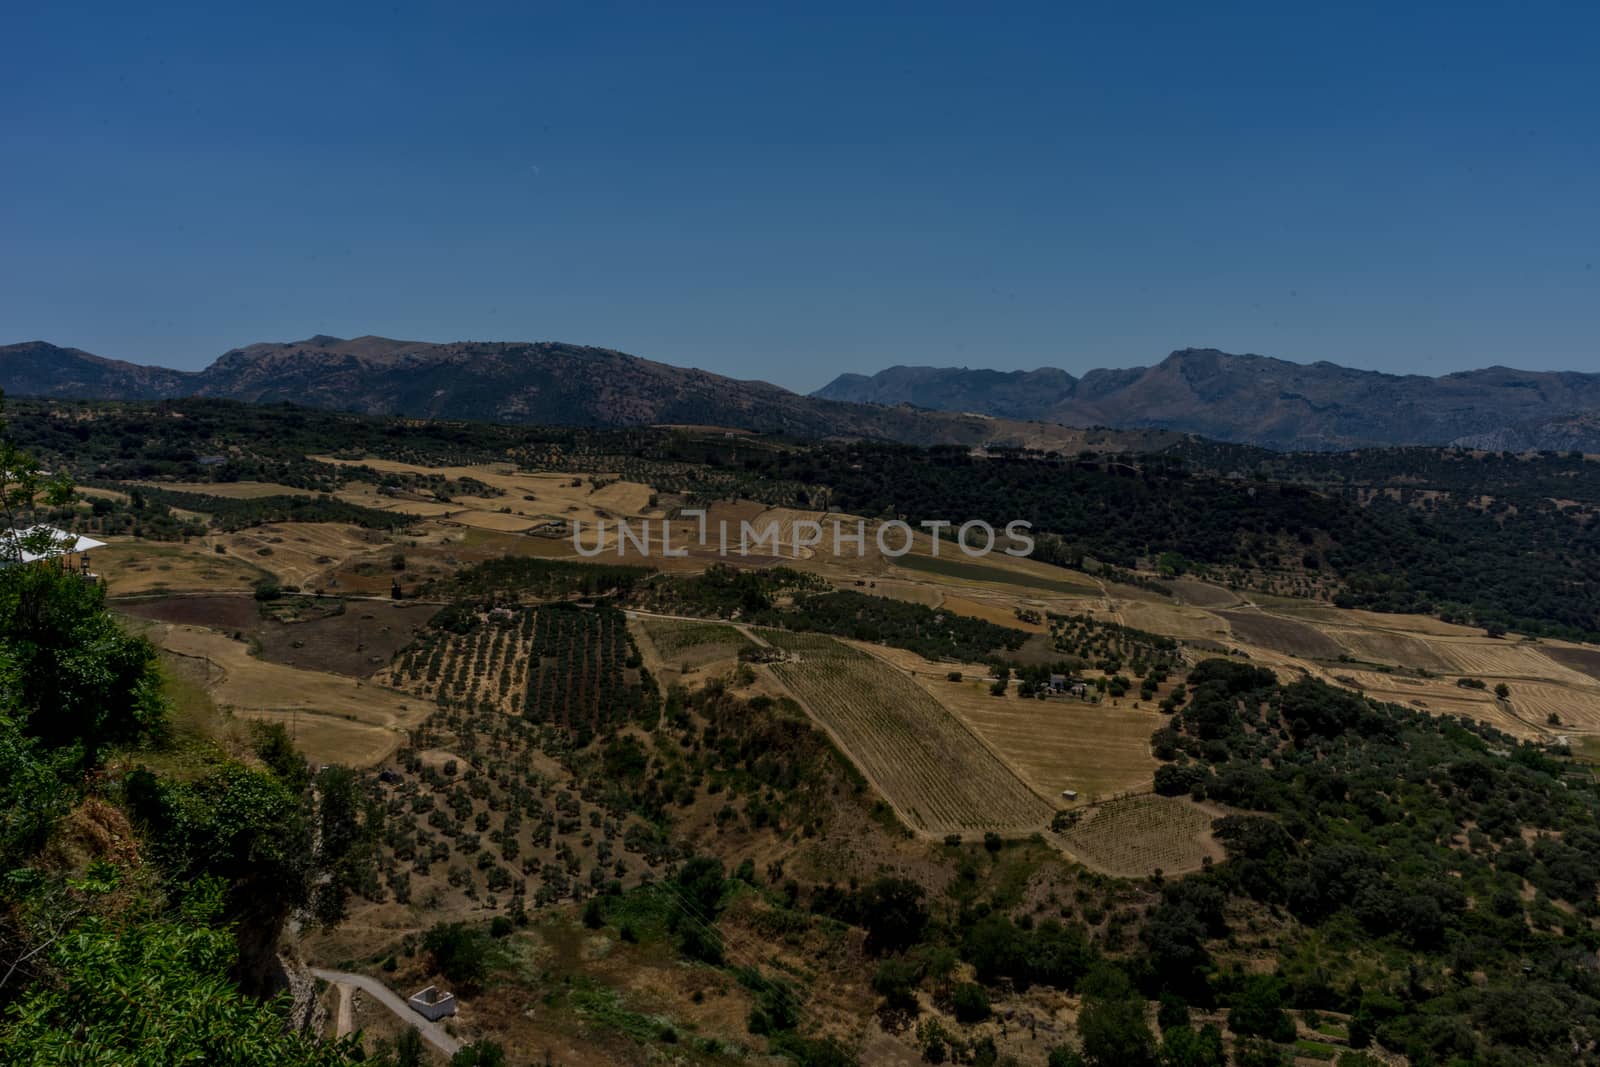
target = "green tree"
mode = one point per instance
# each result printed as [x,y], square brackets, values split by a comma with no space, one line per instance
[153,993]
[1256,1008]
[1115,1033]
[1182,1046]
[971,1002]
[893,913]
[460,953]
[479,1054]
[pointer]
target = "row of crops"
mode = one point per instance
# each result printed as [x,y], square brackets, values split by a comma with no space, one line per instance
[1109,646]
[585,673]
[924,759]
[572,667]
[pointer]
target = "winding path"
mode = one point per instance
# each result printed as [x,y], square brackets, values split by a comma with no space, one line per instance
[433,1033]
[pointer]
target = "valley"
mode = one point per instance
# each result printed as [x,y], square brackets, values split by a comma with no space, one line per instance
[556,740]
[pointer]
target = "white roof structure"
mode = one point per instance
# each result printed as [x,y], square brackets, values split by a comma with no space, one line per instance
[14,548]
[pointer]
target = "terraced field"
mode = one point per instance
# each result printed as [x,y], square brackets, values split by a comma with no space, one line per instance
[925,761]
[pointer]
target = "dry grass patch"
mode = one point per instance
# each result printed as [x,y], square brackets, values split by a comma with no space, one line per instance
[1437,696]
[303,553]
[333,719]
[132,566]
[1171,620]
[998,612]
[536,495]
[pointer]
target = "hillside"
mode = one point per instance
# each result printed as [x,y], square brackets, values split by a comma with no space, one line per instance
[523,384]
[820,809]
[1246,399]
[1560,433]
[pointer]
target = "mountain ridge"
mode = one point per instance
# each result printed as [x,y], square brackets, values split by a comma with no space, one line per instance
[550,383]
[1249,399]
[1245,399]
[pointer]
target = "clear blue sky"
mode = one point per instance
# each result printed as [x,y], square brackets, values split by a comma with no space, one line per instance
[790,197]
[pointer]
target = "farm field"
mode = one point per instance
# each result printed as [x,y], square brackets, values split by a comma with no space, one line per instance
[1136,836]
[691,643]
[1203,594]
[923,759]
[569,667]
[133,566]
[999,613]
[1171,620]
[968,570]
[1574,709]
[543,495]
[302,554]
[1277,634]
[1504,659]
[1401,650]
[354,638]
[229,490]
[333,719]
[1061,742]
[1576,657]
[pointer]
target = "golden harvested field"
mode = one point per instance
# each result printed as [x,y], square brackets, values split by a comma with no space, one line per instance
[534,495]
[1578,709]
[1503,659]
[131,566]
[230,490]
[911,592]
[366,495]
[920,757]
[493,520]
[1060,742]
[333,719]
[1379,646]
[1137,836]
[998,612]
[1171,620]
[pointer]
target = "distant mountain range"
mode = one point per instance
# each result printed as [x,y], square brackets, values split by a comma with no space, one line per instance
[1245,399]
[1258,400]
[545,384]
